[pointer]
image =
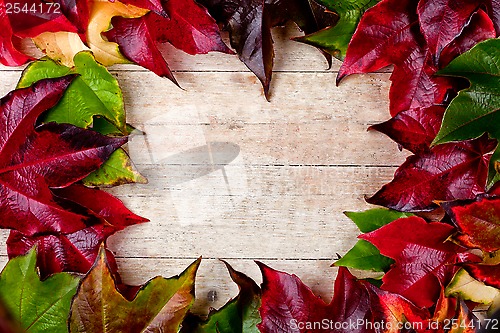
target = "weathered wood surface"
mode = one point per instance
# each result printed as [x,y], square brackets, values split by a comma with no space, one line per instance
[232,176]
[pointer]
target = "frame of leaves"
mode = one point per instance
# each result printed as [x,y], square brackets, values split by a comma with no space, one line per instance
[444,199]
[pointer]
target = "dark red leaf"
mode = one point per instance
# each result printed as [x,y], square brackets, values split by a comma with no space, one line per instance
[102,204]
[425,261]
[36,17]
[357,306]
[479,222]
[441,21]
[77,12]
[32,161]
[286,300]
[488,274]
[448,172]
[249,23]
[414,129]
[189,28]
[385,35]
[75,252]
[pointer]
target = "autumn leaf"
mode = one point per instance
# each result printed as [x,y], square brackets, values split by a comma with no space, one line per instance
[335,39]
[77,12]
[240,314]
[448,172]
[478,221]
[9,54]
[290,306]
[154,5]
[488,274]
[463,286]
[50,156]
[159,306]
[93,93]
[77,251]
[249,24]
[364,255]
[188,27]
[39,306]
[424,260]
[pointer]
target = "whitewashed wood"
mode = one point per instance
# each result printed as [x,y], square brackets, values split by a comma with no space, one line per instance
[233,176]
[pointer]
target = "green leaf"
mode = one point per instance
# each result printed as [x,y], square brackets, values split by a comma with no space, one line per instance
[94,99]
[159,306]
[336,39]
[469,289]
[240,315]
[475,110]
[364,255]
[373,219]
[94,93]
[117,170]
[39,306]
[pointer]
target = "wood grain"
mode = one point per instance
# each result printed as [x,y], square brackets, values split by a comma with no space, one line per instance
[233,176]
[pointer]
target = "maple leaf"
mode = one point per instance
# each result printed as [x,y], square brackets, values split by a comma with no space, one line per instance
[50,156]
[38,306]
[478,221]
[448,172]
[240,314]
[188,27]
[289,305]
[77,251]
[335,39]
[364,255]
[424,261]
[249,24]
[159,306]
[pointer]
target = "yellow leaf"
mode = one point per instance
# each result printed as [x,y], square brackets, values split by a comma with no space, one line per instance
[60,46]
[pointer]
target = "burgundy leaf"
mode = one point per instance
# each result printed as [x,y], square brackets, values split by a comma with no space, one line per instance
[32,161]
[249,23]
[189,28]
[414,129]
[37,17]
[425,261]
[75,252]
[441,21]
[77,12]
[448,172]
[102,204]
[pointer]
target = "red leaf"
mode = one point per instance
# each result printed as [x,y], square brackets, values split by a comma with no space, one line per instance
[75,252]
[479,222]
[441,21]
[9,55]
[357,307]
[286,300]
[488,274]
[425,262]
[77,12]
[102,204]
[448,172]
[189,28]
[414,129]
[36,17]
[53,155]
